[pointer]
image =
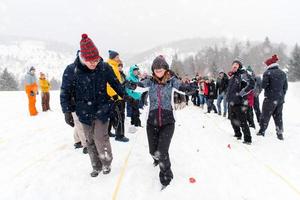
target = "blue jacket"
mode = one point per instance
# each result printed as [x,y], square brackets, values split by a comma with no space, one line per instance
[133,78]
[161,98]
[84,91]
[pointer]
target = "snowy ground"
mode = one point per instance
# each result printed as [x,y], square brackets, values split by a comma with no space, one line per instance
[38,160]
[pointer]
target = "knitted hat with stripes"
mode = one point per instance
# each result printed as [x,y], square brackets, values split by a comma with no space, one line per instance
[88,50]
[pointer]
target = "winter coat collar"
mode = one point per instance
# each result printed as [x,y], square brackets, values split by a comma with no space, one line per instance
[273,66]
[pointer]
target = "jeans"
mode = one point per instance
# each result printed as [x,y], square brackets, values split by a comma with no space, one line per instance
[221,97]
[202,99]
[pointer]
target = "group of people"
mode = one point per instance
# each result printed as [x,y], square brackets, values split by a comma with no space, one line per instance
[239,91]
[95,94]
[32,86]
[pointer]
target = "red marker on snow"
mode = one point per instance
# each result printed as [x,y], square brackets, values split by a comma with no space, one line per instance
[229,146]
[192,180]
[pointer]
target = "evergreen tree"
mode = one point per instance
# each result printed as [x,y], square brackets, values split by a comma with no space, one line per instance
[294,68]
[8,81]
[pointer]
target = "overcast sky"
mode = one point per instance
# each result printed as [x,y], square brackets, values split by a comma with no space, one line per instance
[135,25]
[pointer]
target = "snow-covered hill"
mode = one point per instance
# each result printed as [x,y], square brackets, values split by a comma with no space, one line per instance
[19,54]
[38,160]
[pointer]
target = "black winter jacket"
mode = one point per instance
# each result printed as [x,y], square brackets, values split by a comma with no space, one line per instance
[275,84]
[240,84]
[87,90]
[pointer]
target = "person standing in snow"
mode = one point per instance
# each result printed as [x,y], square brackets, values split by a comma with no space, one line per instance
[221,87]
[250,98]
[134,107]
[257,91]
[45,87]
[202,97]
[114,61]
[31,89]
[161,121]
[275,85]
[84,82]
[239,86]
[212,95]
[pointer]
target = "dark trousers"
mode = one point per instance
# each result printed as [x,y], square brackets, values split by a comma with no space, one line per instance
[135,114]
[274,109]
[159,139]
[238,118]
[118,118]
[250,117]
[211,106]
[196,99]
[45,101]
[256,108]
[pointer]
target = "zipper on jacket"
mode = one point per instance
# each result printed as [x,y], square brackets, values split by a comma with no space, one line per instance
[159,106]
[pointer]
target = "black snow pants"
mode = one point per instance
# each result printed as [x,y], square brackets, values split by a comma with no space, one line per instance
[117,119]
[274,109]
[159,139]
[238,118]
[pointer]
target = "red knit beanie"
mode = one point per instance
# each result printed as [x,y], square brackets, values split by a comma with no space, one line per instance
[272,60]
[88,50]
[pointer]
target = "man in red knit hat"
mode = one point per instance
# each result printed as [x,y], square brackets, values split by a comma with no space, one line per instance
[84,90]
[275,85]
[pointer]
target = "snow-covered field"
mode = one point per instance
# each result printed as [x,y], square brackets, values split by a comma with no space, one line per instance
[38,161]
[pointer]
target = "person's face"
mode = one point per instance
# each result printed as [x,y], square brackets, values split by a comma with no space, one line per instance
[32,72]
[136,72]
[235,67]
[117,59]
[221,75]
[120,68]
[92,64]
[159,72]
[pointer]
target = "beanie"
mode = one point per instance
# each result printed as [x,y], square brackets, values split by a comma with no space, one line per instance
[88,50]
[112,54]
[159,63]
[272,60]
[239,62]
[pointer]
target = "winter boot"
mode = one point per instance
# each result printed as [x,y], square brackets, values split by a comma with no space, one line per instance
[111,134]
[260,133]
[106,169]
[122,139]
[280,136]
[95,173]
[224,114]
[247,142]
[78,145]
[85,150]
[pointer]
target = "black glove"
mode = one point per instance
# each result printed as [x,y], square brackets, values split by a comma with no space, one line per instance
[69,119]
[115,97]
[130,100]
[31,93]
[130,85]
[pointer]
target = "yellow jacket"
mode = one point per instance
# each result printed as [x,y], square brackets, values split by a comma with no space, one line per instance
[44,85]
[114,65]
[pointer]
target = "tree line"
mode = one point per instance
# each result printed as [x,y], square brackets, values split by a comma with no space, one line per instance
[209,61]
[9,82]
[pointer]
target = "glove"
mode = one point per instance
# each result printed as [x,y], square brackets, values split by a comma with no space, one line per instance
[69,119]
[37,92]
[31,93]
[130,85]
[115,97]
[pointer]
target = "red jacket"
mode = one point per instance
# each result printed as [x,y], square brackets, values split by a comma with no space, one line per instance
[250,98]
